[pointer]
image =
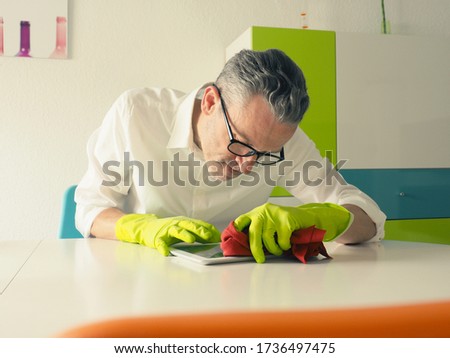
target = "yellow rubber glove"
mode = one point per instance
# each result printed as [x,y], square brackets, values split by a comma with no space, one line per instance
[272,225]
[151,231]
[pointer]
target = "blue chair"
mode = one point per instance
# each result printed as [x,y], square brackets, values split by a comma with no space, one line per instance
[67,229]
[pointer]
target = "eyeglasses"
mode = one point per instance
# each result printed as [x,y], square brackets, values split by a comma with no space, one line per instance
[241,149]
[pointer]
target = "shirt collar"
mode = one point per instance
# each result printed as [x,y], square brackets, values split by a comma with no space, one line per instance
[182,134]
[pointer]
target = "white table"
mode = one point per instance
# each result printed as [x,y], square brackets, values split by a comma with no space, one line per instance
[63,283]
[13,255]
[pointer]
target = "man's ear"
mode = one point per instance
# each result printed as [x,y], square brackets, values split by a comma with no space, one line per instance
[210,100]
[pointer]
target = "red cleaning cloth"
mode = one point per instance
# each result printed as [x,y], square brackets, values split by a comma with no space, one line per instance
[305,243]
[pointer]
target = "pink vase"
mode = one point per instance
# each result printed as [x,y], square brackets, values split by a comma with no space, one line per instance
[61,36]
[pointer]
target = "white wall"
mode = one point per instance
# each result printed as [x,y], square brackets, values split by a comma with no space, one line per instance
[49,108]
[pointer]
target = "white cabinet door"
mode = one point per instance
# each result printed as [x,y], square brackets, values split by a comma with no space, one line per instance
[393,101]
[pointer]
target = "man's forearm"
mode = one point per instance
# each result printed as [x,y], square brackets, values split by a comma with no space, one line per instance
[362,228]
[105,223]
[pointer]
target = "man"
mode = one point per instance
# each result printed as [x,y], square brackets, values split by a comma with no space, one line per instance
[166,167]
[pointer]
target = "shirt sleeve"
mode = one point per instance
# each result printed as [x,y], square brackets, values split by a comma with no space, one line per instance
[312,178]
[105,183]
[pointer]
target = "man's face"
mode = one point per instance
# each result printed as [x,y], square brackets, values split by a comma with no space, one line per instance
[253,124]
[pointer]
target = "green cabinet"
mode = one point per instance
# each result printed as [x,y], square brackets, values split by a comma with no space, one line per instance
[315,53]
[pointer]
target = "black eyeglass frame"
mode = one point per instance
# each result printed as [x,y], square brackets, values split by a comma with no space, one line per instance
[252,151]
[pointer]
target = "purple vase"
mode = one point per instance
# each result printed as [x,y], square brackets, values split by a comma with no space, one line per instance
[24,39]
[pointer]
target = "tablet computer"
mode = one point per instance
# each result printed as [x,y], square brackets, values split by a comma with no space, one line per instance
[205,254]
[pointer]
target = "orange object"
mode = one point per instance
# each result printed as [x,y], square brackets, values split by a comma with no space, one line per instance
[403,321]
[303,15]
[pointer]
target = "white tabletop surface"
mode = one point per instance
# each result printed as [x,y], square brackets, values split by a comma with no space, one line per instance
[53,285]
[13,255]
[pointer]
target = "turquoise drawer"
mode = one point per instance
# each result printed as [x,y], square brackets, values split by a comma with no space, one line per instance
[405,193]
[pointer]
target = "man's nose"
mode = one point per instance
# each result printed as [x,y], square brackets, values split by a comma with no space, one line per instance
[246,163]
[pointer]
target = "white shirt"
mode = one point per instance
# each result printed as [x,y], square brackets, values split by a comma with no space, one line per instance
[143,159]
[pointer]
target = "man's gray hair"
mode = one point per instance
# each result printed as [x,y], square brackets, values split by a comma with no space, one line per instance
[271,74]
